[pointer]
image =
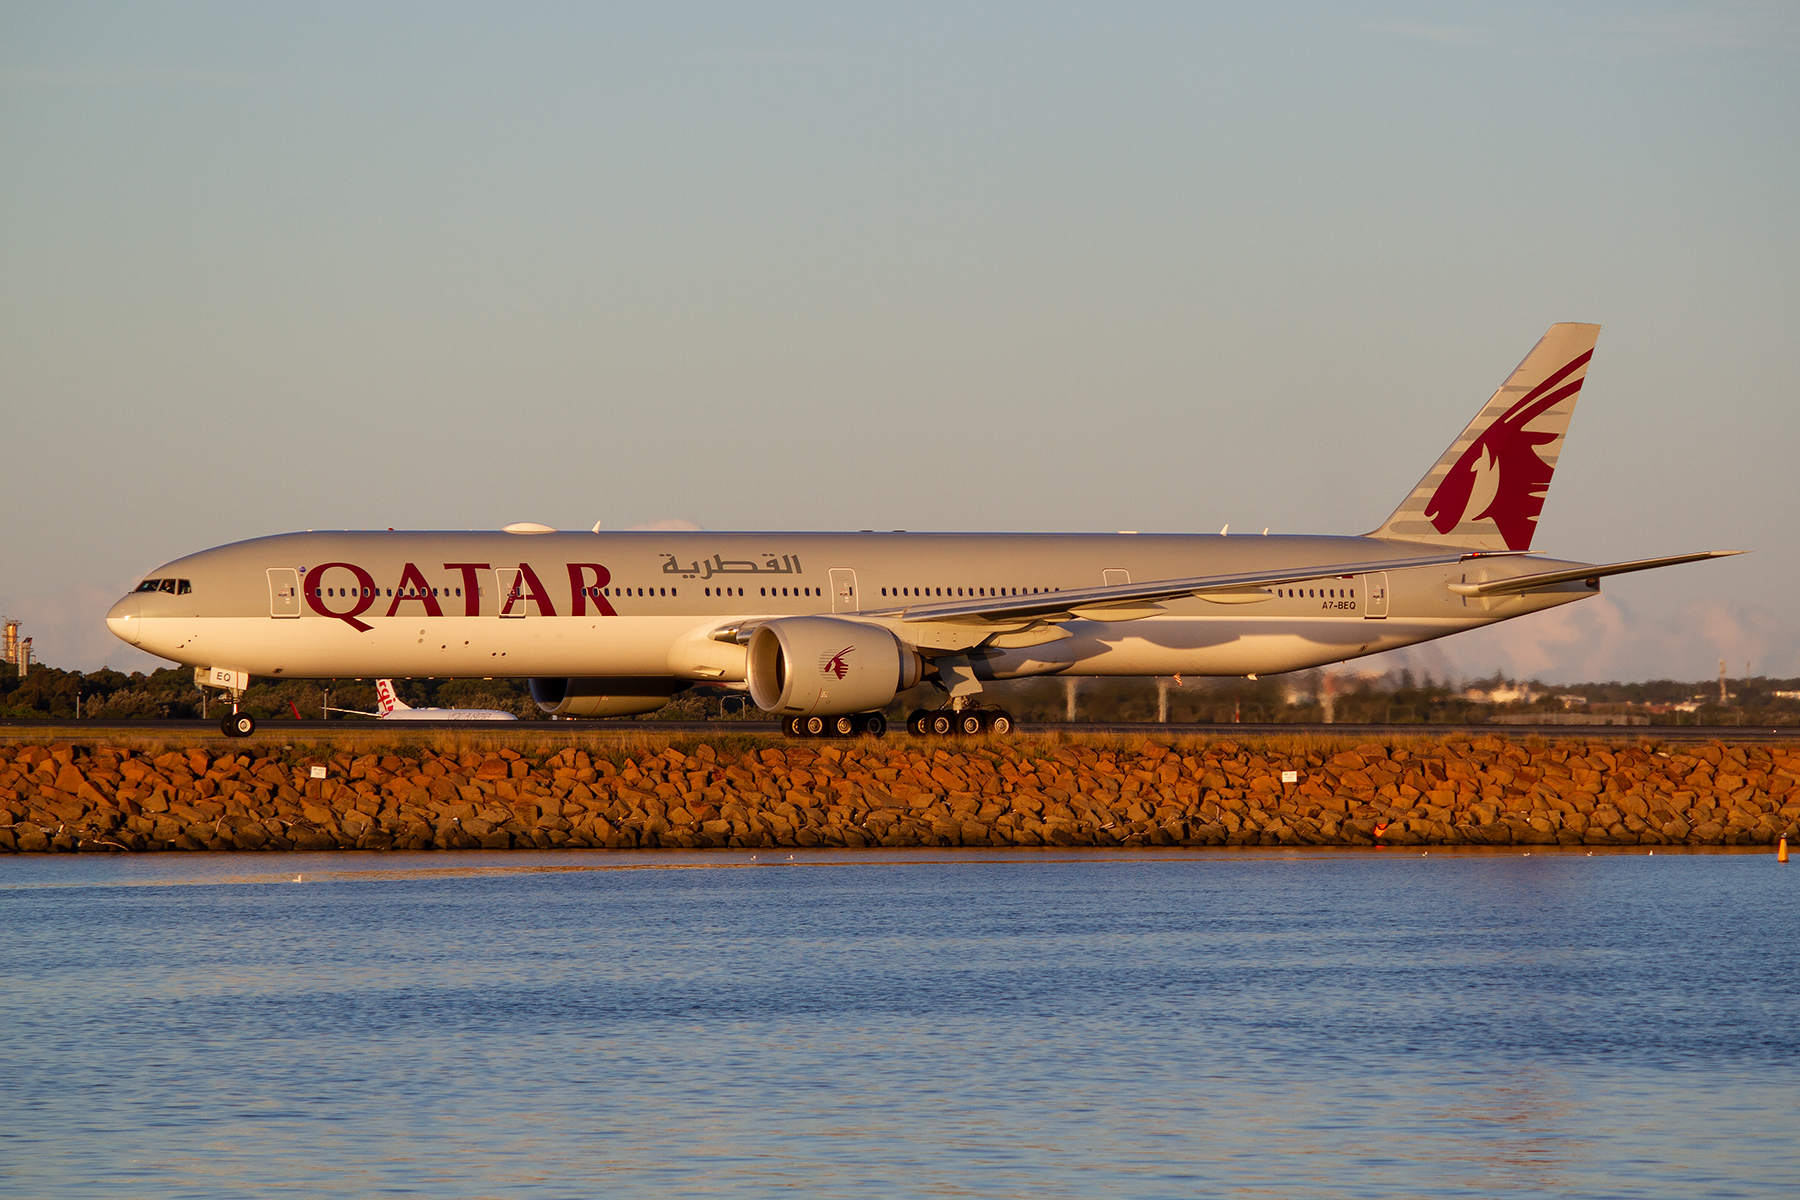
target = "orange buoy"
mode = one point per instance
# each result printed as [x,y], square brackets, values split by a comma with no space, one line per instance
[1781,854]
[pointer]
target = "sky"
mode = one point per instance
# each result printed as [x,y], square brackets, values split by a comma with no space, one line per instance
[923,266]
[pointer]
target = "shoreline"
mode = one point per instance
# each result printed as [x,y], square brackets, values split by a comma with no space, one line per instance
[296,867]
[753,792]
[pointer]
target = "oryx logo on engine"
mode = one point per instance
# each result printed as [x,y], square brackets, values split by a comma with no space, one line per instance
[834,664]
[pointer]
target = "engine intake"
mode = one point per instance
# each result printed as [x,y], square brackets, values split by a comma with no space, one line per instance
[827,666]
[603,697]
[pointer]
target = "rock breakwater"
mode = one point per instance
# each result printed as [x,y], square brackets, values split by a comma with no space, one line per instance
[1487,791]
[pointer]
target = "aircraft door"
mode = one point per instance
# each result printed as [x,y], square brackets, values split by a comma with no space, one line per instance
[843,591]
[514,602]
[284,592]
[1115,577]
[1375,595]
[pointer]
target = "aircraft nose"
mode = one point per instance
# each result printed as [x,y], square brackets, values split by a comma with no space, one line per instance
[124,621]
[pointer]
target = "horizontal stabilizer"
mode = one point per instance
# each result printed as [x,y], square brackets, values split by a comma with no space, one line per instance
[1526,583]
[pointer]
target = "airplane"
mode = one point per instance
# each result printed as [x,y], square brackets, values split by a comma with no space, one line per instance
[392,708]
[825,629]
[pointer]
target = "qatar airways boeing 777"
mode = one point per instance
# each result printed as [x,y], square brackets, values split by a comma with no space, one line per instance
[824,629]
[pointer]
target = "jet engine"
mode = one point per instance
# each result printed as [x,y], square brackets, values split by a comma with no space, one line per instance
[827,666]
[609,697]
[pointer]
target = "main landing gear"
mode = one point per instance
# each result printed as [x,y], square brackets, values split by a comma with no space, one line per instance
[871,724]
[970,721]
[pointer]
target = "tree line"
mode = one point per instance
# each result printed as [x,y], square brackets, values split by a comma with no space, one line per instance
[1395,699]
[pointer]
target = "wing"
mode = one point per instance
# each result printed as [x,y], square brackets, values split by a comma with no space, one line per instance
[1129,601]
[1525,583]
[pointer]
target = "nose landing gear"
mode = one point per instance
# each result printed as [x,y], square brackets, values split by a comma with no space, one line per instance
[235,683]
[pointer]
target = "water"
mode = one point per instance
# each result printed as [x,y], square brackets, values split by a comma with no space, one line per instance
[1264,1024]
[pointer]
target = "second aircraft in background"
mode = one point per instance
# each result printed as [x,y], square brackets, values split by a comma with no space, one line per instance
[395,709]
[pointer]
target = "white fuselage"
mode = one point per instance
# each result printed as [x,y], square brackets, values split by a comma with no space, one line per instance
[448,714]
[647,605]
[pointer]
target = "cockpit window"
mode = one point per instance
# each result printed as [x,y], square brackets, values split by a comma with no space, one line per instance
[168,585]
[178,587]
[184,586]
[150,585]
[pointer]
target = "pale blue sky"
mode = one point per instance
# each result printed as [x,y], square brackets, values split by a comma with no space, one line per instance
[936,267]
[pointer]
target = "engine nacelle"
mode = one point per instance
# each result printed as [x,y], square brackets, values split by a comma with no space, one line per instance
[603,697]
[827,666]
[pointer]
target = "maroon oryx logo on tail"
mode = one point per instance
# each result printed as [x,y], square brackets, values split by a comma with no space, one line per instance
[834,664]
[1510,451]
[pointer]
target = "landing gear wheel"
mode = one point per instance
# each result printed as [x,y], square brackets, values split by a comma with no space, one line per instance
[919,723]
[794,726]
[873,724]
[1000,722]
[238,724]
[942,724]
[814,726]
[970,722]
[843,726]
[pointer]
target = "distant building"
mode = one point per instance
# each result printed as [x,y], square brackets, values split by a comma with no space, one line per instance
[1511,693]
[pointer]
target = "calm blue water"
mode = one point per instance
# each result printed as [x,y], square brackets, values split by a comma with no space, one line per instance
[1264,1024]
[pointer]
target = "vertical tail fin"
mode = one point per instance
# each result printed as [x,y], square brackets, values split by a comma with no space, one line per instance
[1487,490]
[384,692]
